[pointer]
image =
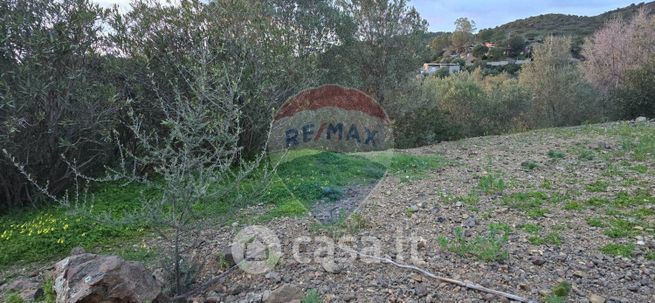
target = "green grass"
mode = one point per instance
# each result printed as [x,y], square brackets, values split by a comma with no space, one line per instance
[14,298]
[303,178]
[597,202]
[640,197]
[574,206]
[597,186]
[615,249]
[620,228]
[488,247]
[531,228]
[31,236]
[596,222]
[560,293]
[312,297]
[405,166]
[552,238]
[529,165]
[344,225]
[491,183]
[323,176]
[586,155]
[640,144]
[529,202]
[556,154]
[640,168]
[650,256]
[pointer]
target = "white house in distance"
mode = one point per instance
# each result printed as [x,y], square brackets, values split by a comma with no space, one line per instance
[431,68]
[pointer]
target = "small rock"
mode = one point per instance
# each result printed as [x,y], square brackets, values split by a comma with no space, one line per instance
[469,222]
[331,267]
[594,298]
[421,290]
[641,242]
[413,208]
[579,274]
[604,145]
[285,293]
[273,276]
[633,287]
[538,260]
[459,204]
[641,119]
[235,224]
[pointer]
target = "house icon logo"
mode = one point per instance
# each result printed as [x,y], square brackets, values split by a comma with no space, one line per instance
[256,249]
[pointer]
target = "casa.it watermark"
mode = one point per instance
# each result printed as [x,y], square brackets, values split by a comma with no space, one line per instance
[257,249]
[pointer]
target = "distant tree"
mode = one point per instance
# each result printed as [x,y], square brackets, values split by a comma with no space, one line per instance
[390,45]
[463,24]
[496,53]
[616,48]
[479,51]
[559,96]
[637,96]
[486,35]
[515,45]
[463,34]
[439,44]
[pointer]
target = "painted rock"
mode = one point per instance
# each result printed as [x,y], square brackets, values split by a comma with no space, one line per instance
[333,118]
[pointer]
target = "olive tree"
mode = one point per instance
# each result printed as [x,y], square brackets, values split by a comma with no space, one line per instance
[56,94]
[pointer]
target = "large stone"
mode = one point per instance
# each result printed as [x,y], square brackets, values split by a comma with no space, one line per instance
[89,278]
[333,118]
[285,293]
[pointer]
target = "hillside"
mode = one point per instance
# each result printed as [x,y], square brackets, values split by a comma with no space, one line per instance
[553,215]
[534,28]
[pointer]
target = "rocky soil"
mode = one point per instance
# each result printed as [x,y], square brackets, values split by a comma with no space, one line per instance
[566,167]
[434,207]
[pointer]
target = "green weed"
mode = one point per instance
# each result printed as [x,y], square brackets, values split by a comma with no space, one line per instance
[586,155]
[556,154]
[559,293]
[529,165]
[491,183]
[531,228]
[312,297]
[620,228]
[597,186]
[615,249]
[595,222]
[529,202]
[488,247]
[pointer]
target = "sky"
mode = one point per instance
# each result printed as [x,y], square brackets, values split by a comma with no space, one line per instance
[441,14]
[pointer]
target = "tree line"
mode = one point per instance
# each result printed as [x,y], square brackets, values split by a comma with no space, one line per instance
[73,76]
[71,72]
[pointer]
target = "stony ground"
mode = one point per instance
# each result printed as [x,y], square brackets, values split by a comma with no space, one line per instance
[522,214]
[576,206]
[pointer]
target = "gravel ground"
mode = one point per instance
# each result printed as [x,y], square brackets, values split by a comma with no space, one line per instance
[565,167]
[433,207]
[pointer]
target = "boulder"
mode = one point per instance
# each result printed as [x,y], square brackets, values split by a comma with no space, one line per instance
[93,278]
[284,294]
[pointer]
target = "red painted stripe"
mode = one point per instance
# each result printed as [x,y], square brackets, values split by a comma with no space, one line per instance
[331,96]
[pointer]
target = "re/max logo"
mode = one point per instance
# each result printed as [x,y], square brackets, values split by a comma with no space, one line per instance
[307,133]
